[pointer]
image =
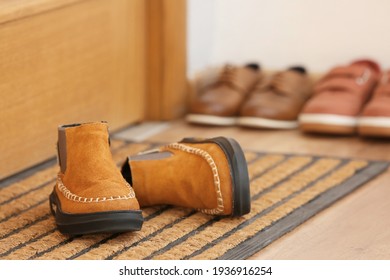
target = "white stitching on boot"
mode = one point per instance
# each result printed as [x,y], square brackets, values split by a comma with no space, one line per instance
[217,183]
[71,196]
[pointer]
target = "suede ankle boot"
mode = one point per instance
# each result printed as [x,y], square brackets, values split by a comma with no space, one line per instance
[209,175]
[91,195]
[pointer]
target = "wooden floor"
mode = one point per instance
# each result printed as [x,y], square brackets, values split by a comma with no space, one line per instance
[357,227]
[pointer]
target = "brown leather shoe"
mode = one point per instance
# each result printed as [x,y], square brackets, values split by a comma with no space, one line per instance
[91,195]
[219,94]
[277,101]
[339,98]
[209,175]
[375,118]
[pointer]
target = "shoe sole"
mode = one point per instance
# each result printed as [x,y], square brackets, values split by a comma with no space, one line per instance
[238,170]
[99,222]
[211,120]
[374,126]
[328,123]
[266,123]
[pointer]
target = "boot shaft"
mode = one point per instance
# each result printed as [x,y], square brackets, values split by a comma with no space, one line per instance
[85,159]
[91,194]
[210,176]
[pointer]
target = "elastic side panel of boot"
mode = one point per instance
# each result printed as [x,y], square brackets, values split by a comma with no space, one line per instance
[61,149]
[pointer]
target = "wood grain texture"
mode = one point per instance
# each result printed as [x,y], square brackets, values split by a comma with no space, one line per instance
[82,62]
[167,86]
[17,9]
[356,227]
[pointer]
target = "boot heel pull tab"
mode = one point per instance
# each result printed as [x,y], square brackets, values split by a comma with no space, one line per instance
[192,139]
[151,151]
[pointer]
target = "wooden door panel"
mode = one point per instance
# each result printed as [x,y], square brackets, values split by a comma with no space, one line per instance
[77,63]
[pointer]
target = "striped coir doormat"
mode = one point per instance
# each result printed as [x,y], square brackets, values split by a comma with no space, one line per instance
[286,190]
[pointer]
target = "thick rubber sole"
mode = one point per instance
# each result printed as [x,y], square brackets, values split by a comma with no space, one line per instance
[211,120]
[99,222]
[373,131]
[374,126]
[328,124]
[241,204]
[327,129]
[266,123]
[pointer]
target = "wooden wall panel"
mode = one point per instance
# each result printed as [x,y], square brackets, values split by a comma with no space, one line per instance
[77,63]
[167,87]
[17,9]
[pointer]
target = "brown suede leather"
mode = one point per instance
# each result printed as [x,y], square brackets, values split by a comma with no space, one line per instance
[220,92]
[194,175]
[344,90]
[92,182]
[279,97]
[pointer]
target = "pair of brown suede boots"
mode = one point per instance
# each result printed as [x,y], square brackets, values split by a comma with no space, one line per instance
[93,195]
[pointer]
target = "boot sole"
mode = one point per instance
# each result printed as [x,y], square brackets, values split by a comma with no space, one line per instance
[238,170]
[99,222]
[328,124]
[267,123]
[374,126]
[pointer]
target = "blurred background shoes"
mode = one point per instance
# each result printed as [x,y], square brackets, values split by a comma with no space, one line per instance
[339,98]
[220,92]
[246,96]
[349,99]
[277,100]
[375,118]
